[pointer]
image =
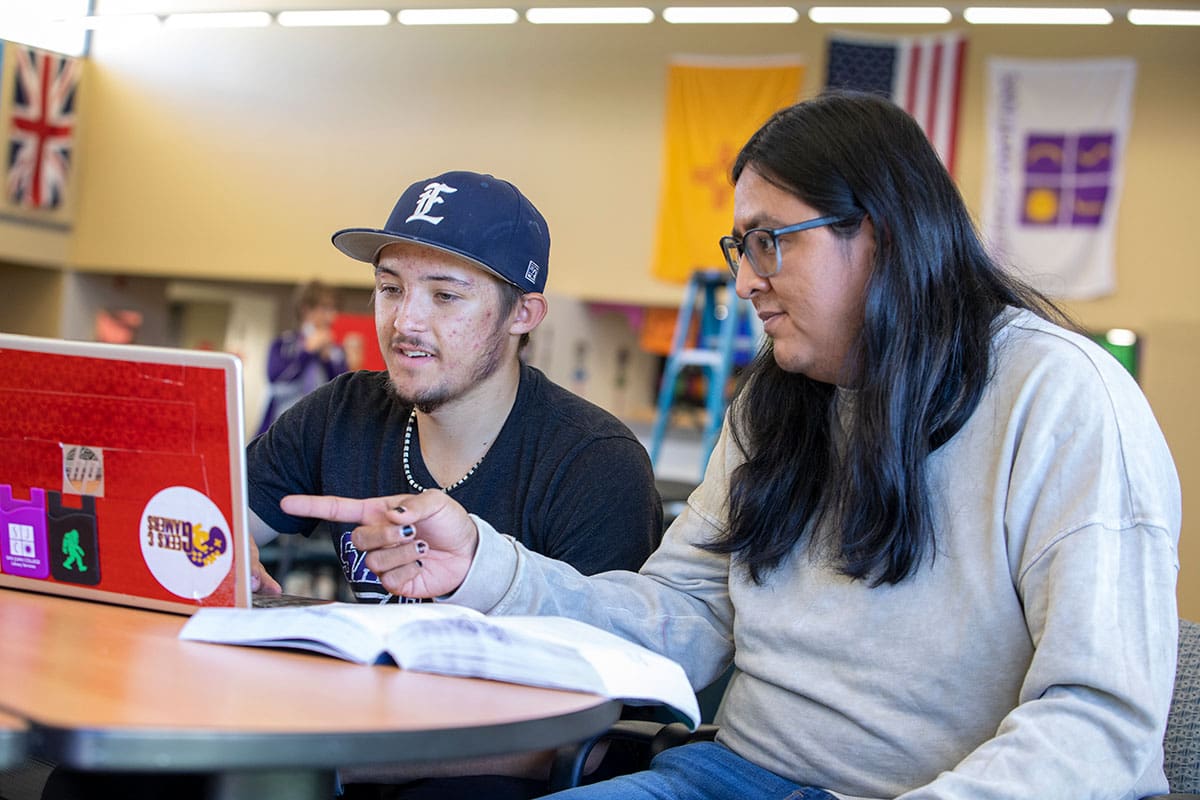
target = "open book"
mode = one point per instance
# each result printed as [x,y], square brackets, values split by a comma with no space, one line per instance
[554,652]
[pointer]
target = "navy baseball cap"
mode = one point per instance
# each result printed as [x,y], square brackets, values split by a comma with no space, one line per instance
[479,217]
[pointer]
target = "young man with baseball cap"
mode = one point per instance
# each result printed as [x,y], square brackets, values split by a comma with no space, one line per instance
[460,266]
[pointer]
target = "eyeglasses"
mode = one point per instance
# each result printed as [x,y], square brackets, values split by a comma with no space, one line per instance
[760,246]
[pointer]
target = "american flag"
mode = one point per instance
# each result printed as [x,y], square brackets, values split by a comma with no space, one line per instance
[42,127]
[922,74]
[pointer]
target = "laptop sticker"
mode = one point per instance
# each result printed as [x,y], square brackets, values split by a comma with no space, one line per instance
[74,543]
[83,470]
[186,542]
[23,549]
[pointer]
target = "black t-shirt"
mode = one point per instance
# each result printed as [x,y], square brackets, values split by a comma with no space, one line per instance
[564,477]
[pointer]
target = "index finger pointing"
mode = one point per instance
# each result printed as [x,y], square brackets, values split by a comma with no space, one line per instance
[328,507]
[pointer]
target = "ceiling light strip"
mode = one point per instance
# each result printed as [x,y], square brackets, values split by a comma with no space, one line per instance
[782,15]
[324,19]
[219,19]
[1163,16]
[457,16]
[879,15]
[1002,15]
[589,16]
[116,22]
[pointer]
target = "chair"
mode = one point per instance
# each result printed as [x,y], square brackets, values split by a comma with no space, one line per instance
[645,737]
[1181,744]
[674,494]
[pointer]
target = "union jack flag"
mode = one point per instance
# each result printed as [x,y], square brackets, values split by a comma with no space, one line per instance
[42,127]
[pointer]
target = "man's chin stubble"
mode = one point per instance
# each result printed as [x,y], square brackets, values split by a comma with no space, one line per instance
[426,405]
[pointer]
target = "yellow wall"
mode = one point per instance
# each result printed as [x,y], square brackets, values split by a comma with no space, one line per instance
[31,302]
[235,154]
[26,243]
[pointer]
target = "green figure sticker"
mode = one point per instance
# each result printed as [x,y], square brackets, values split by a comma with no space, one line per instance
[73,532]
[73,551]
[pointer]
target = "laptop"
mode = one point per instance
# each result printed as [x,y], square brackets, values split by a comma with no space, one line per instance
[123,474]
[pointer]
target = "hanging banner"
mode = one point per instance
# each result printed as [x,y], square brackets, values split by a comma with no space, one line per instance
[40,127]
[921,74]
[1056,141]
[713,106]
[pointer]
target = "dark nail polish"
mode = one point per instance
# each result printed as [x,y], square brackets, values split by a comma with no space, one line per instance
[421,548]
[407,531]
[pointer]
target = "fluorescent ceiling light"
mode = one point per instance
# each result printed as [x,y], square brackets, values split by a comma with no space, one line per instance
[57,36]
[13,13]
[716,14]
[42,25]
[917,15]
[1163,16]
[305,19]
[117,22]
[457,16]
[999,15]
[219,19]
[589,16]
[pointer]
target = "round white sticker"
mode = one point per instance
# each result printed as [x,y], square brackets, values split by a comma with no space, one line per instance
[186,542]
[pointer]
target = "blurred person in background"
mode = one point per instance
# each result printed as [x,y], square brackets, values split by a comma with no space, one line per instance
[302,359]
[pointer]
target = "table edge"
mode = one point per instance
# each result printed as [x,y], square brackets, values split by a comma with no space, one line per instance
[171,750]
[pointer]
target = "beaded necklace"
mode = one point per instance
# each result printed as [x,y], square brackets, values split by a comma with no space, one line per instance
[408,429]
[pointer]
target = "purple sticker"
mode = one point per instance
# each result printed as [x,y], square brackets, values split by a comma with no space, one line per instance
[23,548]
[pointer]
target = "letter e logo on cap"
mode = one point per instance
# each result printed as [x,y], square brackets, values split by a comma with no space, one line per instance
[428,199]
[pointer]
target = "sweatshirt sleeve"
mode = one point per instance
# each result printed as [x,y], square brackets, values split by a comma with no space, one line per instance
[677,605]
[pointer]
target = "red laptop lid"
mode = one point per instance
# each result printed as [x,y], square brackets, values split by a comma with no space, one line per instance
[122,473]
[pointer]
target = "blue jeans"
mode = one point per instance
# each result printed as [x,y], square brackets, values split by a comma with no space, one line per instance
[699,771]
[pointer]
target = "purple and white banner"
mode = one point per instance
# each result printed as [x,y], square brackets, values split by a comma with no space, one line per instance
[1056,142]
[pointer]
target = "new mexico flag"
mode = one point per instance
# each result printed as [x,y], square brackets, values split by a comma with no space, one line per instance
[713,106]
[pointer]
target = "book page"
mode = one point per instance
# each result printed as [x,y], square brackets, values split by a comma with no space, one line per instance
[628,671]
[320,629]
[554,652]
[445,639]
[480,648]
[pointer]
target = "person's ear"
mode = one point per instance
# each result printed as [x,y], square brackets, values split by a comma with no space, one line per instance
[531,310]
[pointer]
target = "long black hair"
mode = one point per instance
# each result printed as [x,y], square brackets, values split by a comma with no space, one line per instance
[919,365]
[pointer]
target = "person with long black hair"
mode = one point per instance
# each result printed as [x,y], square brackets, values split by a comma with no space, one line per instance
[937,537]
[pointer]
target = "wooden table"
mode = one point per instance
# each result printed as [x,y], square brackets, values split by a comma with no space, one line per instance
[113,689]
